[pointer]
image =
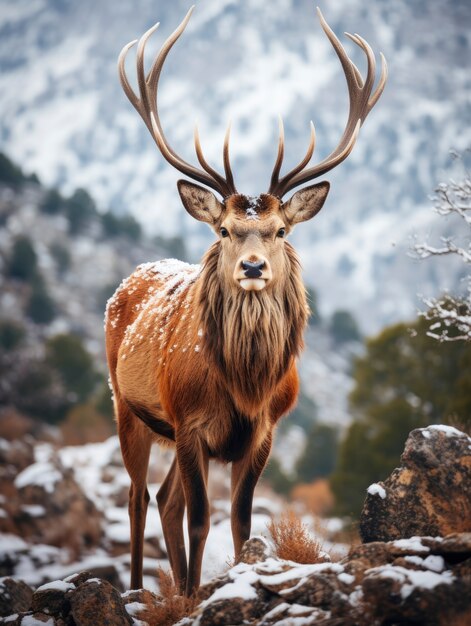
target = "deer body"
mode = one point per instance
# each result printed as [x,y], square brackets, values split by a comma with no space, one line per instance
[202,358]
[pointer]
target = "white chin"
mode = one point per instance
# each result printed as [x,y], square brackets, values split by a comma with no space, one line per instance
[252,284]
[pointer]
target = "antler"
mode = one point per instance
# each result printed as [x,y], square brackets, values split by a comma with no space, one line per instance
[147,108]
[361,103]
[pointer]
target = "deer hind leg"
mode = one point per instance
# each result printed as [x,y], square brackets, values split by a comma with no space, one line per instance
[244,477]
[171,503]
[193,466]
[135,442]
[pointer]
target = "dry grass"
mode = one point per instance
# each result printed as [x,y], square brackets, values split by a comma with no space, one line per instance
[293,541]
[172,607]
[317,497]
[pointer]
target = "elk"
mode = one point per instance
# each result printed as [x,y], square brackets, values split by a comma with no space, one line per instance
[203,358]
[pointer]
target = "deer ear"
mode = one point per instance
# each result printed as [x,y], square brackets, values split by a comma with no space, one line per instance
[306,203]
[200,203]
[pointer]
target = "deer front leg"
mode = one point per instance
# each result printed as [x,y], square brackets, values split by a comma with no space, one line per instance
[171,503]
[244,477]
[135,449]
[193,467]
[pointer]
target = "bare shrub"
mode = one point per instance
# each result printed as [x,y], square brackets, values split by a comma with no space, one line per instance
[293,541]
[172,606]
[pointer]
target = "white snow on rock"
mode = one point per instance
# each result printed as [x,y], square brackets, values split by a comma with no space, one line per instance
[299,573]
[414,544]
[58,585]
[43,475]
[243,576]
[29,620]
[449,431]
[377,490]
[11,543]
[412,579]
[34,510]
[135,607]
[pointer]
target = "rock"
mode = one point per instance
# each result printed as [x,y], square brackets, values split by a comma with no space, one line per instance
[290,613]
[420,580]
[428,495]
[104,572]
[140,602]
[421,596]
[53,598]
[48,506]
[255,550]
[95,602]
[207,590]
[230,611]
[31,618]
[15,596]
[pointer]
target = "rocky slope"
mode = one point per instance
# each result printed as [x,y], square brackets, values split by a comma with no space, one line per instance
[407,579]
[419,581]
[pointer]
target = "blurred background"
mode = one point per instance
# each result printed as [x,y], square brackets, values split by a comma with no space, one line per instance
[85,196]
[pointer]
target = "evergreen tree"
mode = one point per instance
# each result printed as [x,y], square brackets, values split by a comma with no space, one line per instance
[80,209]
[67,355]
[276,477]
[406,380]
[23,260]
[320,455]
[53,203]
[10,173]
[343,327]
[11,334]
[40,308]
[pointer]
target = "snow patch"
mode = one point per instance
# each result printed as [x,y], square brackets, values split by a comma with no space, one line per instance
[377,490]
[34,510]
[412,579]
[449,431]
[414,544]
[57,585]
[43,475]
[29,620]
[243,578]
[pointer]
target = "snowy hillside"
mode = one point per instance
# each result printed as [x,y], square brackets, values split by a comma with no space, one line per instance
[64,116]
[50,488]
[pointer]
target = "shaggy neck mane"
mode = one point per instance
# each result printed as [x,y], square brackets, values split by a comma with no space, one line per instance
[252,337]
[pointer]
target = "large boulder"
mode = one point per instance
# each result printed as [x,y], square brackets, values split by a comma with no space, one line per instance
[429,494]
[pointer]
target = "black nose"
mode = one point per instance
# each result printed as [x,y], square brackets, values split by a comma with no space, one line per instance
[253,270]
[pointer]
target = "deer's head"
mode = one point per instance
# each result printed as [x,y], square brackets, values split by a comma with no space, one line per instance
[252,231]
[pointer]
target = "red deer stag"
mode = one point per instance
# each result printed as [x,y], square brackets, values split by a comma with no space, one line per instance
[202,358]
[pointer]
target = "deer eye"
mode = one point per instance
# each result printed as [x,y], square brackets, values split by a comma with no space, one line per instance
[281,232]
[224,232]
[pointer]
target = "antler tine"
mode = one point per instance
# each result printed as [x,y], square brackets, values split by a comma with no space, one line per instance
[147,108]
[141,77]
[371,71]
[277,185]
[225,156]
[279,157]
[381,84]
[122,75]
[204,164]
[361,102]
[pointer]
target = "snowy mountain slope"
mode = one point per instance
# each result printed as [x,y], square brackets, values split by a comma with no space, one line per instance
[63,115]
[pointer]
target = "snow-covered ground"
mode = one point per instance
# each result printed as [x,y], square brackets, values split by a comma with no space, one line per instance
[97,469]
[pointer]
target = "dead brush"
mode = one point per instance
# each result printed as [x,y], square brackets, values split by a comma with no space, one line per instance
[292,540]
[171,607]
